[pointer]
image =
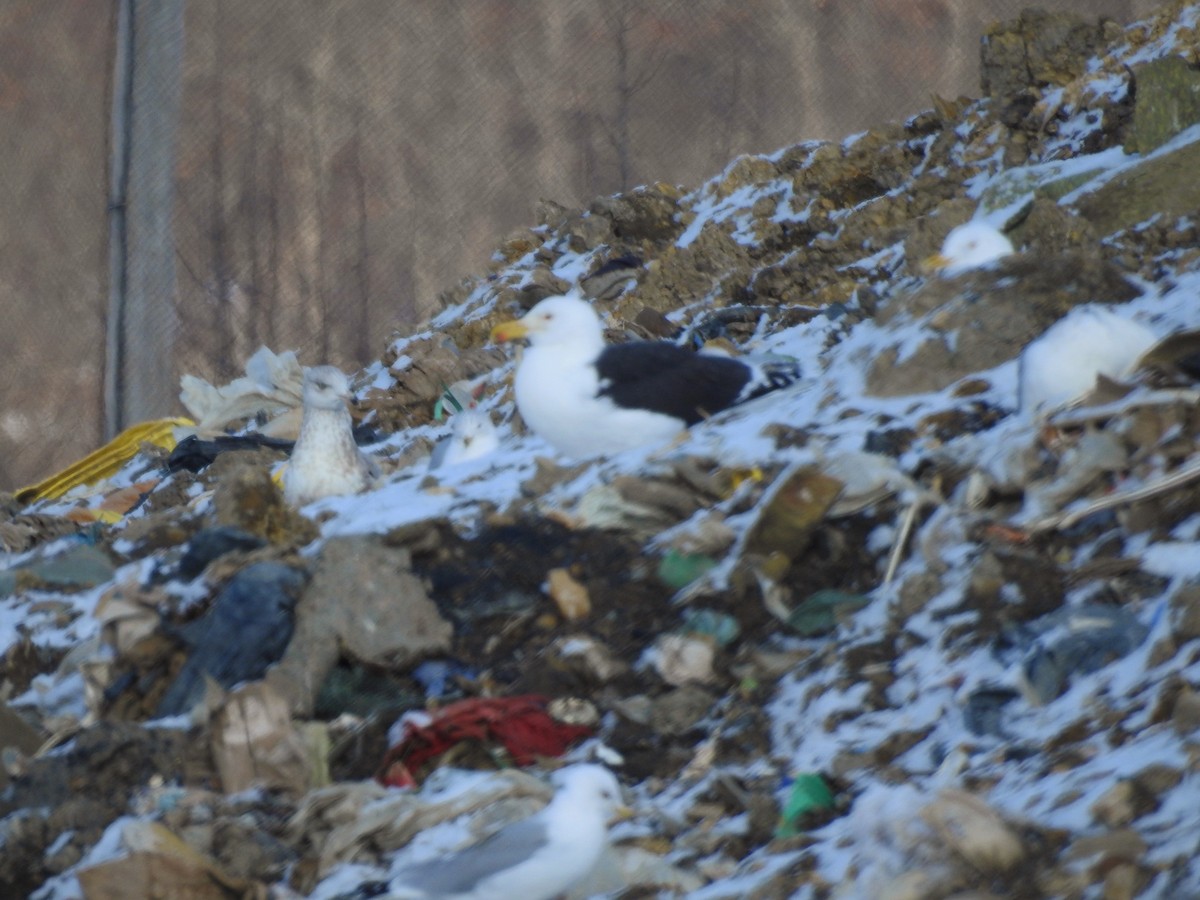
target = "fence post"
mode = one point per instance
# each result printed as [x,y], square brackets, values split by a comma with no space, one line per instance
[142,320]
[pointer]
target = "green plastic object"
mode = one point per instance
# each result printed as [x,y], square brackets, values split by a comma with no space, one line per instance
[819,614]
[678,570]
[721,627]
[809,793]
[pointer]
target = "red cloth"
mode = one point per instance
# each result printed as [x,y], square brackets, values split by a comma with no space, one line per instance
[520,724]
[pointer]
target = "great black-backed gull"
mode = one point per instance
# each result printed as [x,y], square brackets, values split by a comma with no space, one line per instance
[589,399]
[970,246]
[325,460]
[533,859]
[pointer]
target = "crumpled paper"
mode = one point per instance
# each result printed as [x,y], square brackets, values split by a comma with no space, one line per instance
[255,743]
[273,385]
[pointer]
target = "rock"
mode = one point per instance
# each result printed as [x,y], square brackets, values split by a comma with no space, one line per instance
[1117,862]
[1156,779]
[680,710]
[1185,716]
[1119,843]
[1116,807]
[516,245]
[77,567]
[671,501]
[365,603]
[587,231]
[643,214]
[745,171]
[17,739]
[247,499]
[1161,186]
[1125,881]
[1037,49]
[548,474]
[1166,101]
[1185,612]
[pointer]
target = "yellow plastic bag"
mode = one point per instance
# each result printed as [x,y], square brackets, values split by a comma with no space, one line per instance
[105,461]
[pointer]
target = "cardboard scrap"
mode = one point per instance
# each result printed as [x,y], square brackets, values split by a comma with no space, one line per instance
[159,864]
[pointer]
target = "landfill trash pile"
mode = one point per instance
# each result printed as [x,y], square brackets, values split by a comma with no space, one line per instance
[924,624]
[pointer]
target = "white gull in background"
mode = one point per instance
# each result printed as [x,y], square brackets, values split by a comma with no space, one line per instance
[588,399]
[1062,365]
[970,246]
[534,859]
[325,460]
[472,435]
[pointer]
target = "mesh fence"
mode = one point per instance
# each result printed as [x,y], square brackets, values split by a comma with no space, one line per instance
[310,174]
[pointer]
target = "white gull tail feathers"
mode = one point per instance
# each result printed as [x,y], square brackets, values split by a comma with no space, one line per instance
[325,460]
[534,859]
[589,399]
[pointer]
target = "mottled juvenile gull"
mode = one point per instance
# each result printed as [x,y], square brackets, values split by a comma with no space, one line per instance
[534,859]
[589,399]
[326,461]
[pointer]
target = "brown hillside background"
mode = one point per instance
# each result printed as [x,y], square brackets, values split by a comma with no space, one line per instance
[340,162]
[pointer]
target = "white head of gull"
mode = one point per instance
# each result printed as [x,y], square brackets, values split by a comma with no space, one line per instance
[970,246]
